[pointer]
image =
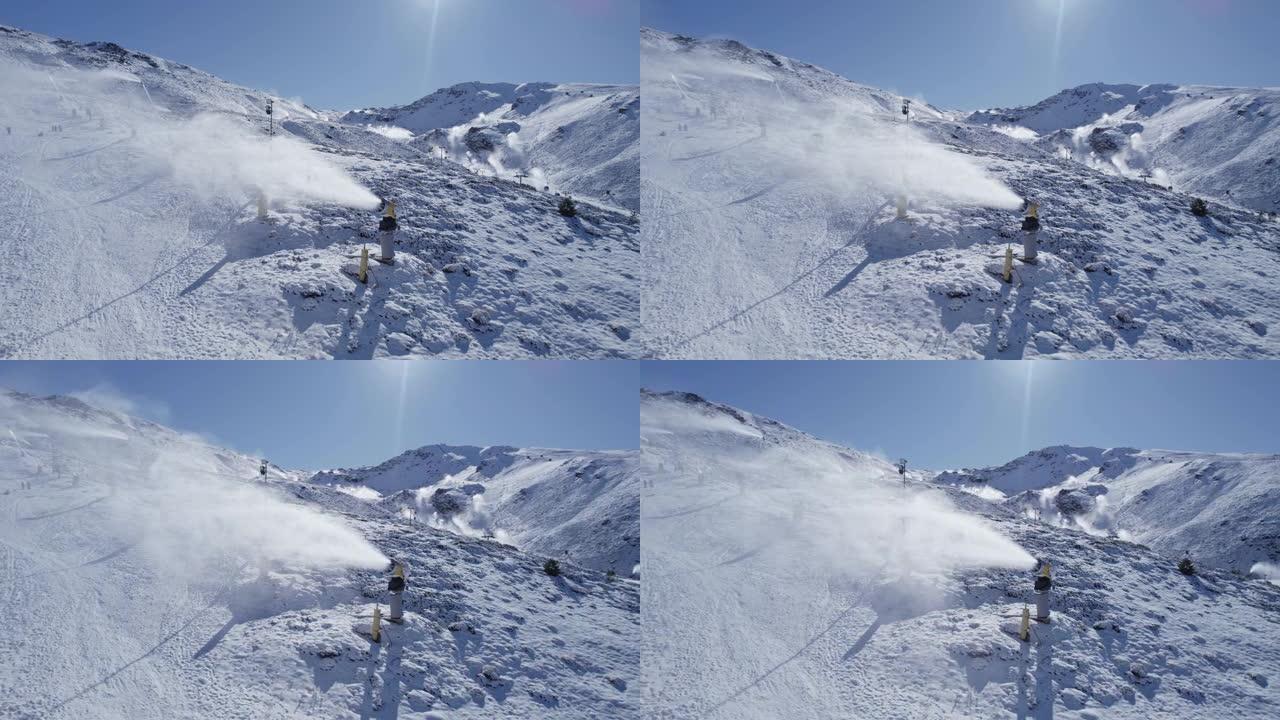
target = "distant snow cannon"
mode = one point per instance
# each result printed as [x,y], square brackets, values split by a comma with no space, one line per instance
[1044,583]
[271,110]
[902,470]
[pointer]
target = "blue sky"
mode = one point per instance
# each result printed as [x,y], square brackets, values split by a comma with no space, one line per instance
[341,54]
[943,415]
[972,54]
[326,414]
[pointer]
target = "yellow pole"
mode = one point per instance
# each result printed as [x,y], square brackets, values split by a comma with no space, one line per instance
[1044,571]
[391,209]
[376,632]
[364,265]
[399,571]
[1008,264]
[262,205]
[1025,632]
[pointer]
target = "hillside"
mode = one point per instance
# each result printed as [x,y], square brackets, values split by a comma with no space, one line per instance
[131,186]
[769,194]
[576,138]
[1217,507]
[1218,142]
[168,580]
[583,506]
[788,577]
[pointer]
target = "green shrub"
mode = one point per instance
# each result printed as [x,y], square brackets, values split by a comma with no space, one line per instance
[1199,207]
[568,207]
[1186,567]
[551,567]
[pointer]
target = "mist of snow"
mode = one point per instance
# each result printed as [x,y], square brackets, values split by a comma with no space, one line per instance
[849,151]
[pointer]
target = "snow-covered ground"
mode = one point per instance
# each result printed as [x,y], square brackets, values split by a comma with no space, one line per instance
[1220,508]
[788,577]
[128,193]
[576,138]
[583,506]
[769,189]
[147,574]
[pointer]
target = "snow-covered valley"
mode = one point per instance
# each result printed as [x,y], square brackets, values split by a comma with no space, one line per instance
[149,574]
[769,193]
[131,186]
[785,576]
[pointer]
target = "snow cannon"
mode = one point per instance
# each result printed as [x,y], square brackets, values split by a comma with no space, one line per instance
[395,586]
[387,233]
[1044,582]
[1030,232]
[906,107]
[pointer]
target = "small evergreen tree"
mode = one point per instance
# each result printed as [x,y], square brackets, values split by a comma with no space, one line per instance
[609,576]
[1199,207]
[568,207]
[1186,567]
[551,567]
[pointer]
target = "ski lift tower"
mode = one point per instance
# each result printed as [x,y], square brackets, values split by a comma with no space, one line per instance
[271,125]
[902,470]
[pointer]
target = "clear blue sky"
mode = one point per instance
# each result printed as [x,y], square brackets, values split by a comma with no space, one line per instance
[341,54]
[973,54]
[944,415]
[313,415]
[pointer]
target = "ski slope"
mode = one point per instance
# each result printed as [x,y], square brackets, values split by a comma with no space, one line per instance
[576,138]
[788,577]
[130,188]
[147,574]
[769,193]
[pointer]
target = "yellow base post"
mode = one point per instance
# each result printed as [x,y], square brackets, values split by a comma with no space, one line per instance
[1008,264]
[262,206]
[376,630]
[902,207]
[364,265]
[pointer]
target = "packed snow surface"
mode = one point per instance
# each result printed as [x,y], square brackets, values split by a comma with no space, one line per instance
[788,577]
[147,574]
[129,192]
[769,193]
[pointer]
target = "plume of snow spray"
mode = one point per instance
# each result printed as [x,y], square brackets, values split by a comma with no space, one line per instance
[848,146]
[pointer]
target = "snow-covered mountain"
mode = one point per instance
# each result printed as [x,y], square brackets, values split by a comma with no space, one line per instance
[785,576]
[132,186]
[1218,142]
[769,193]
[147,574]
[559,503]
[1220,508]
[581,139]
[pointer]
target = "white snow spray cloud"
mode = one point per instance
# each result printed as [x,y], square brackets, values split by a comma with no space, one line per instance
[193,509]
[188,508]
[216,155]
[851,146]
[854,515]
